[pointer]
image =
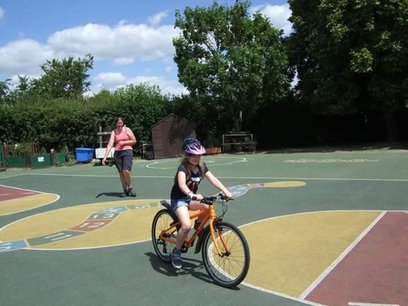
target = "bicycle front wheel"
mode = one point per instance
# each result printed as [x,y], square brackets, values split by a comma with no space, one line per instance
[161,221]
[229,268]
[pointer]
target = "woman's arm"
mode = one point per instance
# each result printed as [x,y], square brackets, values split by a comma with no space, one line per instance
[132,138]
[109,147]
[217,184]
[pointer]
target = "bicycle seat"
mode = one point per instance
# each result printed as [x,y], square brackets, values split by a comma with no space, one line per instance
[167,205]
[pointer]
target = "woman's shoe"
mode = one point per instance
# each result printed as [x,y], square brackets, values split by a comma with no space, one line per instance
[131,193]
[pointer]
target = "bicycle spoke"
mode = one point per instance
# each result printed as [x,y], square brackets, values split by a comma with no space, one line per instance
[160,223]
[231,266]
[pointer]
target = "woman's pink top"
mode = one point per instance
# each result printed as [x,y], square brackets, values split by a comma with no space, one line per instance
[123,135]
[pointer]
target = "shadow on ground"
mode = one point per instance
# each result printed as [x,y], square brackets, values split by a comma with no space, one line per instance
[191,266]
[110,194]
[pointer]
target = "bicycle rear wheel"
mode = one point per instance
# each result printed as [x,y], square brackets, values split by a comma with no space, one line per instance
[161,221]
[229,269]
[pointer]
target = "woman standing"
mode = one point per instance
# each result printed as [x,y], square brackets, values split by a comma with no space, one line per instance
[123,139]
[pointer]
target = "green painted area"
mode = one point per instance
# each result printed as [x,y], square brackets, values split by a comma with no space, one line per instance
[130,275]
[53,237]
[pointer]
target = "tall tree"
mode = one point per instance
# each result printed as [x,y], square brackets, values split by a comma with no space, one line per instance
[142,105]
[229,59]
[351,55]
[66,78]
[5,91]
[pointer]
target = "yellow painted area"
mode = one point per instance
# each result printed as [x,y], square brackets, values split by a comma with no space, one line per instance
[129,226]
[284,184]
[288,253]
[13,206]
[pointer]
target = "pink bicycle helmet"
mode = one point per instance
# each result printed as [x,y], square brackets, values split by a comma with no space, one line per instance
[193,147]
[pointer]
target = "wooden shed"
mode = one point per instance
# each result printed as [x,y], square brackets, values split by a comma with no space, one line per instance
[168,135]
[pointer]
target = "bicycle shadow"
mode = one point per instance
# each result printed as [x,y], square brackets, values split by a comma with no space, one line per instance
[191,266]
[110,194]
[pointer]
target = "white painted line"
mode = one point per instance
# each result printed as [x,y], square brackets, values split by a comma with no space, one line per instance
[317,178]
[340,258]
[233,160]
[234,177]
[286,296]
[21,189]
[12,176]
[88,247]
[369,304]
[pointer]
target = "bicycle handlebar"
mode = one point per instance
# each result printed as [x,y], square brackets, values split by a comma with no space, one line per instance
[211,199]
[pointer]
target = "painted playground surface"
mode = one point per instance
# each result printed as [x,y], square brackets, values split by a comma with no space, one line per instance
[323,229]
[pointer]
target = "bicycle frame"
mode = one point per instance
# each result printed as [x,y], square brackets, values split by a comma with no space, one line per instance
[167,234]
[225,251]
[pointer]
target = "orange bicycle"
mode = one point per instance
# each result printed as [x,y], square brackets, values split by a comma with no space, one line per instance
[224,248]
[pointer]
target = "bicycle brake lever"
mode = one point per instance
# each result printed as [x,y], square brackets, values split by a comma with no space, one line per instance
[224,198]
[205,200]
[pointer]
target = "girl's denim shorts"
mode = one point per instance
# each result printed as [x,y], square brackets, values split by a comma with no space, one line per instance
[178,203]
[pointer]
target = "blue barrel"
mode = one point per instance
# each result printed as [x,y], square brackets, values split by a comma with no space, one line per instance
[84,155]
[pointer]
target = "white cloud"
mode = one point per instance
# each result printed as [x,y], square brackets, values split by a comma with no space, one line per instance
[122,44]
[122,61]
[167,85]
[114,80]
[277,14]
[156,19]
[24,57]
[123,41]
[110,78]
[2,13]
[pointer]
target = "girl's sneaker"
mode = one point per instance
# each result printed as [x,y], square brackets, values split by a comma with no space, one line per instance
[176,259]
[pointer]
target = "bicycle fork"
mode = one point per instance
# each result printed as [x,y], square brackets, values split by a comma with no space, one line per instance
[213,218]
[216,241]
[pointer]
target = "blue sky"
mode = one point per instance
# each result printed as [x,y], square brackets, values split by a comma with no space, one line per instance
[131,41]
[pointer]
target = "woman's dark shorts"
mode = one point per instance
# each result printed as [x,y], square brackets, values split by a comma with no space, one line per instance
[124,160]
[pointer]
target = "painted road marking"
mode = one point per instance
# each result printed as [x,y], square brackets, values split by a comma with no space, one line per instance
[80,234]
[14,200]
[283,295]
[102,217]
[232,160]
[369,304]
[15,245]
[294,257]
[264,178]
[93,222]
[340,258]
[83,226]
[374,271]
[332,160]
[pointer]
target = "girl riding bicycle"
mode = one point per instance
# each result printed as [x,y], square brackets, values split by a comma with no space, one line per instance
[184,196]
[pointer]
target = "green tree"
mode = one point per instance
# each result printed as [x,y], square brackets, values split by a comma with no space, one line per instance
[229,60]
[351,55]
[141,105]
[5,91]
[23,90]
[67,78]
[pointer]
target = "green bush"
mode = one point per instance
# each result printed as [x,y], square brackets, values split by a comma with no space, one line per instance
[71,123]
